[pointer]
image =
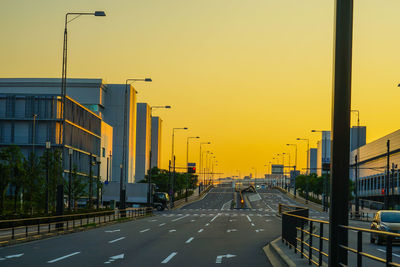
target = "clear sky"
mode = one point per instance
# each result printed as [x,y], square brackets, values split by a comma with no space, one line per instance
[249,76]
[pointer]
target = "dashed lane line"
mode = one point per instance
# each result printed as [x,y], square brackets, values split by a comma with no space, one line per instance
[167,259]
[64,257]
[201,230]
[189,240]
[177,219]
[145,230]
[115,240]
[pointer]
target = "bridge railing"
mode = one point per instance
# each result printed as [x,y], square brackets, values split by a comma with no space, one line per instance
[308,237]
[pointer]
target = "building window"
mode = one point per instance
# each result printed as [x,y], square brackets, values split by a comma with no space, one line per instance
[103,152]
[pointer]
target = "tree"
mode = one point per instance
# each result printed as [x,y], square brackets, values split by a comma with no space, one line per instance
[4,177]
[78,187]
[33,183]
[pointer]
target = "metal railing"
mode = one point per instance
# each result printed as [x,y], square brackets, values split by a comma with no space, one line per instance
[299,232]
[23,229]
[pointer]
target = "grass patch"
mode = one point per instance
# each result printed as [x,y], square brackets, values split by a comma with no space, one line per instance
[89,225]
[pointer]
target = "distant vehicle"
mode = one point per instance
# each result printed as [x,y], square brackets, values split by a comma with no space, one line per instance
[385,220]
[160,200]
[263,186]
[258,186]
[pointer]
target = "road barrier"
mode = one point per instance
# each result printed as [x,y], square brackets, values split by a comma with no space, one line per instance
[23,229]
[299,232]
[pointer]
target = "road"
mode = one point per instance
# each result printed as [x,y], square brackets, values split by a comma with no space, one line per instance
[204,233]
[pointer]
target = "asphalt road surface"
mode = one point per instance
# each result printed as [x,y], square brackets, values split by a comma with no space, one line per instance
[204,233]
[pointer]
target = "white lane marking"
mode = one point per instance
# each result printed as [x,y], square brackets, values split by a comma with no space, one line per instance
[259,230]
[14,256]
[192,220]
[226,205]
[152,220]
[248,218]
[267,220]
[64,257]
[252,224]
[172,230]
[115,240]
[145,230]
[112,231]
[384,251]
[201,230]
[215,217]
[231,230]
[189,240]
[161,224]
[167,259]
[219,258]
[271,208]
[113,258]
[177,219]
[207,224]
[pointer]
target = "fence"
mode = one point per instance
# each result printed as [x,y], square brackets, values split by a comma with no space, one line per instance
[299,232]
[23,229]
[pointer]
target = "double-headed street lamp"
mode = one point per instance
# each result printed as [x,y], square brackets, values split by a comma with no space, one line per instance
[187,163]
[201,159]
[150,154]
[60,186]
[123,165]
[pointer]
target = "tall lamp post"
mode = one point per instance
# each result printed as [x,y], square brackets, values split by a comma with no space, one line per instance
[357,172]
[187,164]
[201,160]
[123,165]
[308,158]
[60,186]
[324,181]
[172,193]
[149,199]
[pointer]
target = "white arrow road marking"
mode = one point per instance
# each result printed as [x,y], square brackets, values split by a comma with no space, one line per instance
[201,230]
[248,218]
[64,257]
[115,240]
[219,258]
[167,259]
[259,230]
[231,230]
[113,258]
[177,219]
[112,231]
[189,240]
[173,230]
[14,256]
[145,230]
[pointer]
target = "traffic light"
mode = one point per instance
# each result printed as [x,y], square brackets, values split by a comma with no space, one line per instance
[191,170]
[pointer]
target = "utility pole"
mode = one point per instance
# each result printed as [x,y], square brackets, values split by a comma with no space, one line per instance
[340,152]
[387,175]
[356,186]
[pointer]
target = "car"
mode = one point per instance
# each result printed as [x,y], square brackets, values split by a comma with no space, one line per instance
[385,220]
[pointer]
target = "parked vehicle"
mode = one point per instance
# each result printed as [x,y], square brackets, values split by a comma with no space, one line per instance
[385,220]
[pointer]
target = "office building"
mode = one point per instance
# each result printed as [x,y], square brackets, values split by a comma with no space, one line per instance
[143,140]
[156,130]
[313,161]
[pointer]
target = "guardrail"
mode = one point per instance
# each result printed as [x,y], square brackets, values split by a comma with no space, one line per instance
[299,233]
[361,216]
[23,229]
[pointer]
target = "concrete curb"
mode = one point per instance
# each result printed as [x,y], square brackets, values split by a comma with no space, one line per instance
[276,256]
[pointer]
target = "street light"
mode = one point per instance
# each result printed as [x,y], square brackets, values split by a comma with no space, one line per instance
[122,179]
[150,154]
[187,163]
[308,156]
[357,159]
[295,166]
[60,186]
[201,160]
[325,184]
[173,163]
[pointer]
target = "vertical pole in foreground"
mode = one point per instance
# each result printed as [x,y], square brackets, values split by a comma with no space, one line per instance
[340,153]
[387,176]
